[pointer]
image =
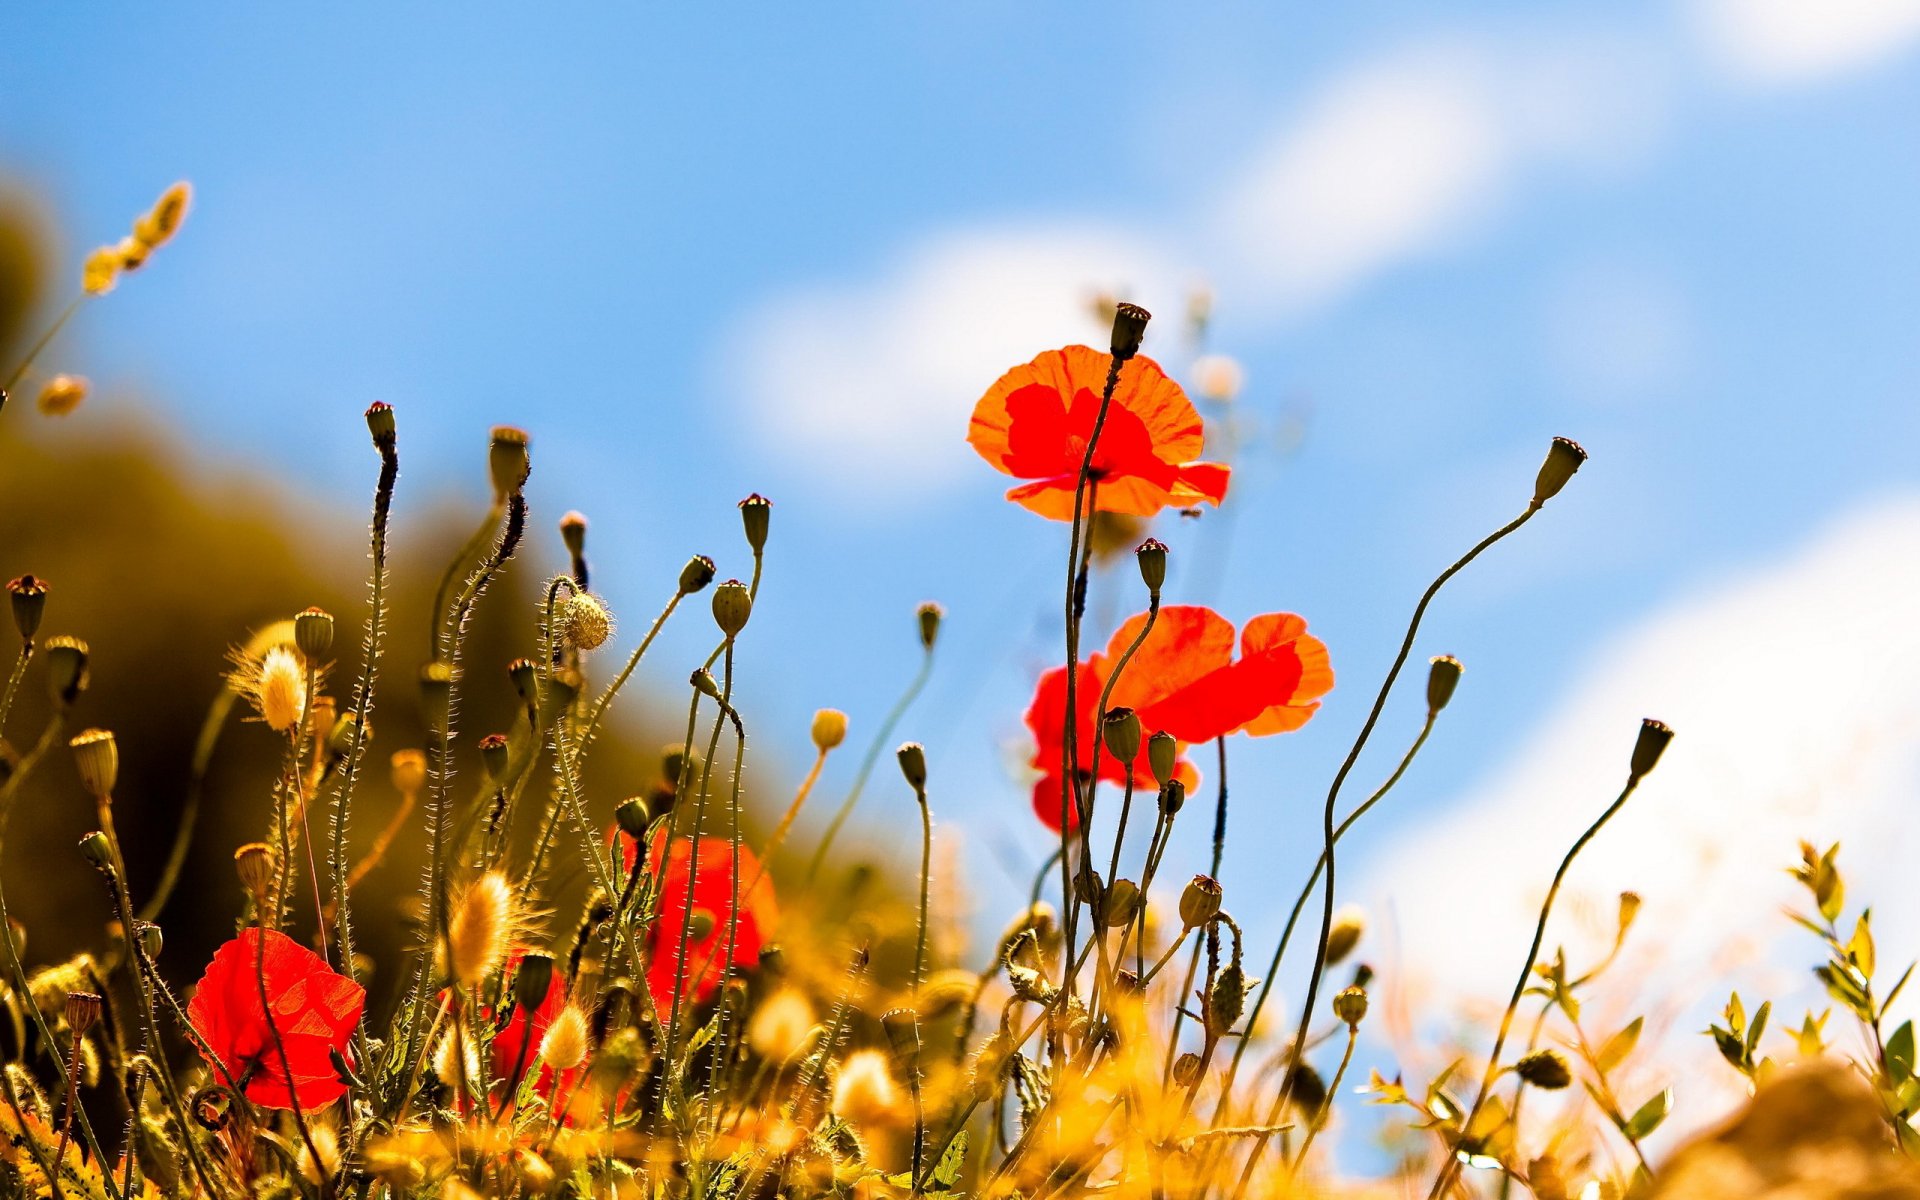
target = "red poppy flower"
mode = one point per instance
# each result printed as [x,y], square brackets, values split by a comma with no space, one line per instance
[1183,680]
[1035,421]
[707,961]
[314,1009]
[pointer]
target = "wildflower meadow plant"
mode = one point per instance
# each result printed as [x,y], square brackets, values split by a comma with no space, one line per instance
[706,1021]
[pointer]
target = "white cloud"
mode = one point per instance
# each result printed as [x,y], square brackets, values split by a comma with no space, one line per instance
[1791,41]
[874,380]
[1795,694]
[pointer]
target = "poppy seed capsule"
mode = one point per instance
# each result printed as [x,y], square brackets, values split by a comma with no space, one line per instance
[1129,329]
[732,606]
[1163,756]
[1121,903]
[532,981]
[1544,1069]
[697,574]
[755,512]
[508,461]
[829,729]
[313,634]
[1186,1069]
[82,1012]
[1120,729]
[253,863]
[929,615]
[1443,675]
[29,597]
[573,533]
[436,692]
[96,850]
[1152,557]
[1200,901]
[380,423]
[97,756]
[1173,797]
[1564,457]
[632,816]
[526,680]
[495,751]
[1651,744]
[1351,1006]
[913,765]
[66,668]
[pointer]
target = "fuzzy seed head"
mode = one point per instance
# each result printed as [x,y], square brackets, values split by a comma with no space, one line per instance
[864,1091]
[157,227]
[62,394]
[327,1164]
[101,271]
[565,1046]
[585,623]
[783,1026]
[275,682]
[448,1055]
[480,930]
[829,729]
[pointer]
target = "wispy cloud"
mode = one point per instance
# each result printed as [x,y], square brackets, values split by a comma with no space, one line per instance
[1795,41]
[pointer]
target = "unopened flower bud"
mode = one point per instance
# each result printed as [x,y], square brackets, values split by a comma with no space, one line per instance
[526,680]
[97,756]
[829,729]
[95,848]
[150,940]
[1120,729]
[66,668]
[495,752]
[1152,557]
[704,683]
[436,693]
[675,761]
[531,981]
[29,596]
[1226,999]
[697,574]
[380,423]
[1199,902]
[508,461]
[1443,675]
[755,512]
[1345,932]
[1564,457]
[1129,328]
[1351,1006]
[1173,797]
[253,863]
[913,765]
[732,605]
[632,815]
[573,533]
[1163,756]
[83,1011]
[1544,1069]
[313,634]
[929,616]
[1122,903]
[585,623]
[1650,745]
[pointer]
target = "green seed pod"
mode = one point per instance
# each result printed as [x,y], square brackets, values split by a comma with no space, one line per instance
[97,756]
[1443,675]
[313,634]
[1344,934]
[1122,903]
[495,751]
[755,512]
[151,941]
[1129,329]
[1163,755]
[29,596]
[526,680]
[913,765]
[633,817]
[1186,1069]
[531,981]
[1152,557]
[380,423]
[697,574]
[1200,901]
[732,605]
[1351,1006]
[96,850]
[66,668]
[1650,745]
[1564,457]
[1173,797]
[1120,729]
[573,534]
[1226,999]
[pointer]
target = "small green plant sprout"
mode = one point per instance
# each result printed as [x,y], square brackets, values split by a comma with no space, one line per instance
[1738,1040]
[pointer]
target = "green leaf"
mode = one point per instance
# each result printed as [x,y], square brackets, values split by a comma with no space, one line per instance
[1731,1048]
[946,1173]
[1900,1053]
[1649,1115]
[1617,1047]
[1860,945]
[1759,1025]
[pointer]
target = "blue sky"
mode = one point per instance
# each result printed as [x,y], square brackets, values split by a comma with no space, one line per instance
[786,252]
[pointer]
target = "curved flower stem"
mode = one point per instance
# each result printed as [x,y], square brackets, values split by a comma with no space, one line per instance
[45,339]
[437,632]
[874,748]
[1319,1121]
[1451,1165]
[1219,852]
[280,1045]
[919,981]
[210,729]
[13,682]
[592,723]
[693,859]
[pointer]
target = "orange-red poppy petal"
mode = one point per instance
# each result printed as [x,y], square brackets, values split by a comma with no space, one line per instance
[1201,481]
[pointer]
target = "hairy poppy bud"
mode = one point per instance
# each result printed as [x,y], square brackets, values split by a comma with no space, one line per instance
[380,423]
[929,615]
[755,512]
[829,729]
[66,668]
[1564,457]
[1173,797]
[507,461]
[1200,901]
[150,940]
[1186,1069]
[1348,926]
[678,764]
[573,533]
[1648,748]
[1226,999]
[97,756]
[632,815]
[1163,756]
[585,623]
[495,751]
[95,848]
[1545,1069]
[1152,557]
[697,574]
[83,1010]
[1122,903]
[1120,729]
[1351,1005]
[703,682]
[732,605]
[531,981]
[29,596]
[913,765]
[525,678]
[1443,675]
[253,863]
[1129,328]
[313,634]
[436,693]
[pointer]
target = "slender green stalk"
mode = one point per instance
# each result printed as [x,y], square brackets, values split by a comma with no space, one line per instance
[45,339]
[1319,1121]
[13,682]
[881,738]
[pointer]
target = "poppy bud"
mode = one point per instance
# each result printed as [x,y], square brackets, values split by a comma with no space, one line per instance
[1650,745]
[29,596]
[380,423]
[829,729]
[929,615]
[151,940]
[697,574]
[1544,1069]
[1226,999]
[675,762]
[507,461]
[1173,797]
[525,678]
[1163,755]
[1186,1069]
[913,764]
[1129,327]
[253,863]
[1122,903]
[573,533]
[1443,675]
[1120,729]
[1348,925]
[83,1011]
[1305,1090]
[755,512]
[633,817]
[701,924]
[97,851]
[1086,884]
[1564,457]
[436,693]
[97,756]
[531,981]
[495,750]
[1199,902]
[409,771]
[1351,1006]
[732,605]
[703,682]
[66,668]
[1152,557]
[585,623]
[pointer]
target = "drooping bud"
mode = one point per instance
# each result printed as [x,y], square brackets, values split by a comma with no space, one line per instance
[29,596]
[633,817]
[97,756]
[1544,1069]
[829,729]
[253,863]
[1651,744]
[1351,1006]
[508,461]
[531,981]
[526,680]
[98,852]
[678,764]
[1443,675]
[1152,557]
[1120,729]
[436,693]
[585,623]
[66,668]
[913,765]
[1163,755]
[150,940]
[697,574]
[495,751]
[313,634]
[929,616]
[82,1011]
[1199,901]
[755,512]
[703,682]
[1564,457]
[1122,903]
[1129,328]
[732,605]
